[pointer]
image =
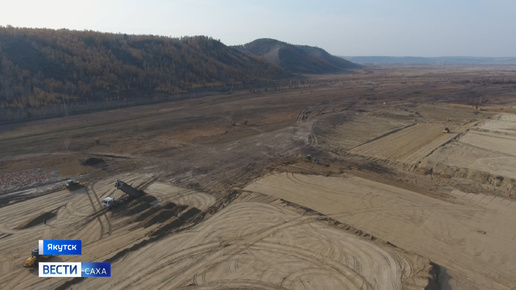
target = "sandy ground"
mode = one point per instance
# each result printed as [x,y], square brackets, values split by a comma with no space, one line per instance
[232,202]
[78,215]
[455,233]
[485,153]
[415,142]
[268,246]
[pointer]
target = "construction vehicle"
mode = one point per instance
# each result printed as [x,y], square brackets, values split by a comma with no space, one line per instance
[312,159]
[73,185]
[108,202]
[446,130]
[128,189]
[131,192]
[33,260]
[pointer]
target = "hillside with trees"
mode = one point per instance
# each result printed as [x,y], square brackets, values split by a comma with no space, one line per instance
[47,73]
[297,58]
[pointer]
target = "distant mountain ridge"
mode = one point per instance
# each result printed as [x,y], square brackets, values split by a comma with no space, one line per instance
[450,60]
[300,59]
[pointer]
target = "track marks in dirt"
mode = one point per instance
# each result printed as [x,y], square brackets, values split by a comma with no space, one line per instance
[484,155]
[407,146]
[252,244]
[181,196]
[502,144]
[451,233]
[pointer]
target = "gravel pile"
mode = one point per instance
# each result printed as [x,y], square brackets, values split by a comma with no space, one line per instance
[27,178]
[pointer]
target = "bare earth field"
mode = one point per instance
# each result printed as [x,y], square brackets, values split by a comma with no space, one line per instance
[386,201]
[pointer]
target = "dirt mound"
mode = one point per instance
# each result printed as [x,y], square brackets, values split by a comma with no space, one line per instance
[159,217]
[188,214]
[173,223]
[138,208]
[503,184]
[171,215]
[147,198]
[130,206]
[37,219]
[144,215]
[170,205]
[92,161]
[178,209]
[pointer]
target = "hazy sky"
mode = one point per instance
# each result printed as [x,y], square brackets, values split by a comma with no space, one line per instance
[342,27]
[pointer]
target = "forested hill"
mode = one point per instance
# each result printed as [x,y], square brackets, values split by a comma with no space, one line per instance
[301,59]
[48,72]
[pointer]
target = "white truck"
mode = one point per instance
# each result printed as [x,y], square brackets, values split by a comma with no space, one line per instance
[132,192]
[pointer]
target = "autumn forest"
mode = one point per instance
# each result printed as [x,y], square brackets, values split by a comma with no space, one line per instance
[47,73]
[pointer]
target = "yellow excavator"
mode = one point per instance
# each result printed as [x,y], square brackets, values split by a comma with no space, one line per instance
[73,185]
[33,260]
[446,130]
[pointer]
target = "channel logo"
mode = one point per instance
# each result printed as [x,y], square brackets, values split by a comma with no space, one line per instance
[60,247]
[74,269]
[96,270]
[58,269]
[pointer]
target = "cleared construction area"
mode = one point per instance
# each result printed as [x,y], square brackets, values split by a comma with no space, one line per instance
[345,182]
[268,245]
[407,146]
[461,227]
[79,215]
